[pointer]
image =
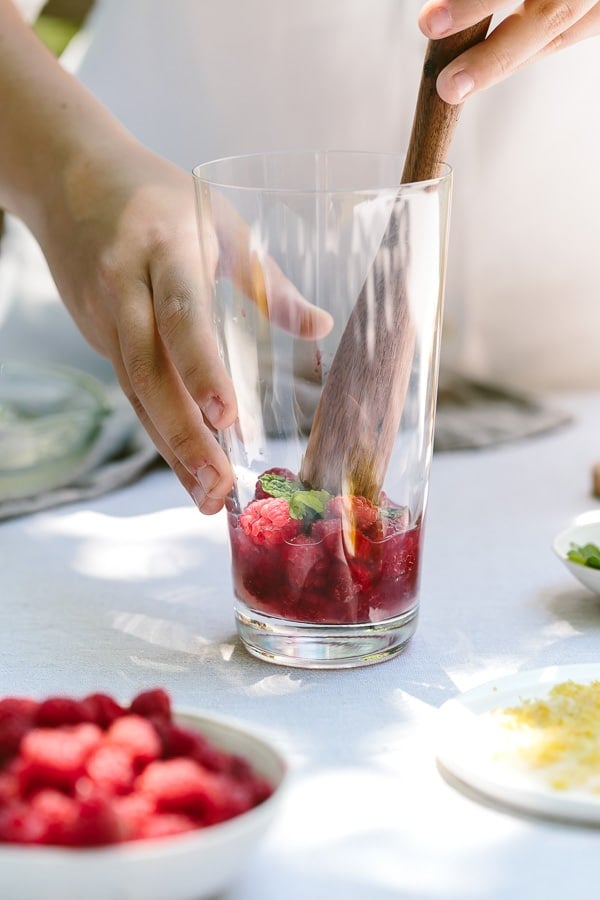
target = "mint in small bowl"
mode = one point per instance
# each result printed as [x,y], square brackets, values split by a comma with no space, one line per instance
[578,546]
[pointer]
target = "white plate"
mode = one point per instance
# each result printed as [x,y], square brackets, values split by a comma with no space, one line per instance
[467,746]
[184,867]
[585,529]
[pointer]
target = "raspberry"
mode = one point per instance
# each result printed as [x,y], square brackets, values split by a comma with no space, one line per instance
[132,811]
[61,711]
[178,741]
[59,814]
[110,767]
[96,823]
[12,730]
[56,757]
[153,703]
[102,709]
[329,531]
[9,787]
[261,790]
[19,824]
[301,554]
[357,511]
[401,555]
[22,707]
[260,493]
[268,522]
[183,786]
[138,736]
[165,824]
[17,716]
[77,785]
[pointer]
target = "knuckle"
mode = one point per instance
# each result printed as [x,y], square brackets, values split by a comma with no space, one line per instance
[182,445]
[108,273]
[555,15]
[173,312]
[143,374]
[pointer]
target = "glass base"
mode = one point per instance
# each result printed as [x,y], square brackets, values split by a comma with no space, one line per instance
[309,646]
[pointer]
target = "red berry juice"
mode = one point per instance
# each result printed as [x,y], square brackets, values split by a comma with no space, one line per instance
[337,568]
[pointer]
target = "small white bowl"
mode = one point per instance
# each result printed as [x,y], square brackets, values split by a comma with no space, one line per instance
[584,530]
[189,866]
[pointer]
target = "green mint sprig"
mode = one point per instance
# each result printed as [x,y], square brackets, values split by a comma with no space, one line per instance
[303,503]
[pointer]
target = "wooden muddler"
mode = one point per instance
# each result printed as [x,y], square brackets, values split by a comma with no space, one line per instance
[358,415]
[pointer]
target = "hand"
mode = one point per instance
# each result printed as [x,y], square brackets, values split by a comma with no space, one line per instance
[120,236]
[531,30]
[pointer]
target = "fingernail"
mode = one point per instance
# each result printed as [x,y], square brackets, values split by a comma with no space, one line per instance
[463,85]
[206,505]
[213,410]
[207,477]
[439,22]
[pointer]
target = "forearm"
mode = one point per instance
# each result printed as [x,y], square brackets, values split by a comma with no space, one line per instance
[48,119]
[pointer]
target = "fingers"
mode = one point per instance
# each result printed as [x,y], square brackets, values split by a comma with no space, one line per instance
[260,279]
[166,407]
[284,305]
[534,28]
[181,296]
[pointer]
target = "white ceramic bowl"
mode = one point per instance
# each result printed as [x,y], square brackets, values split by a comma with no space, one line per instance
[584,530]
[190,866]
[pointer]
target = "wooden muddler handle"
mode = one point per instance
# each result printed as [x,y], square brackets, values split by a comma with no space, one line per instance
[434,119]
[357,419]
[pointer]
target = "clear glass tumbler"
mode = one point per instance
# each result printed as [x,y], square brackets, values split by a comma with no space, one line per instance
[326,570]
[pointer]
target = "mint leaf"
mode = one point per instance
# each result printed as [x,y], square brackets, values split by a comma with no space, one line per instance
[279,486]
[308,503]
[585,555]
[303,502]
[393,512]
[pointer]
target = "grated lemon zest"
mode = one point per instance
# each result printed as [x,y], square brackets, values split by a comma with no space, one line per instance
[559,734]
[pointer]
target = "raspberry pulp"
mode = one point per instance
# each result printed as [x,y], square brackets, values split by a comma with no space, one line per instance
[347,562]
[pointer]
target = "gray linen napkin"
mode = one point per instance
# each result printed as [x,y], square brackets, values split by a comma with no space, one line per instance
[473,414]
[113,451]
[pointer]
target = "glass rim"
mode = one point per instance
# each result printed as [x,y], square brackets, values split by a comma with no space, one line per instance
[201,172]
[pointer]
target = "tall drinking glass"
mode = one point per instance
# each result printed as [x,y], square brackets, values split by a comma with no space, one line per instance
[323,576]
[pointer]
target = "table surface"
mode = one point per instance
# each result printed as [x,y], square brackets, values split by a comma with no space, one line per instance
[133,590]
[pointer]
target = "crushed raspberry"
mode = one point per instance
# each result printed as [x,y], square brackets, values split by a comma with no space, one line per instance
[358,511]
[129,774]
[268,521]
[348,563]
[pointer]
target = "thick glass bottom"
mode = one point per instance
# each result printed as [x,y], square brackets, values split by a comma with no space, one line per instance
[309,646]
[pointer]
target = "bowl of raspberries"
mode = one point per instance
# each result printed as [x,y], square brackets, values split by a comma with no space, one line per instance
[136,801]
